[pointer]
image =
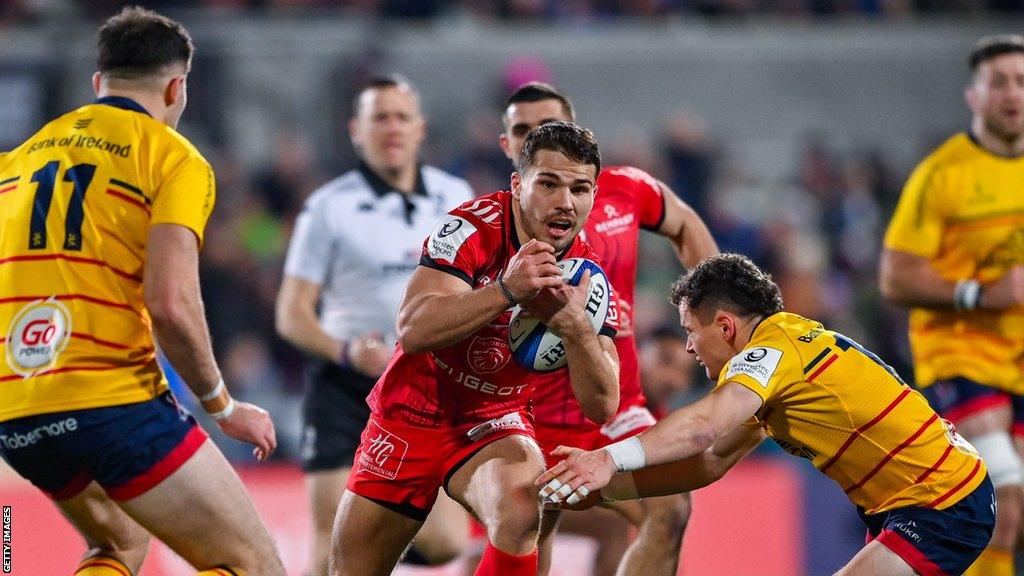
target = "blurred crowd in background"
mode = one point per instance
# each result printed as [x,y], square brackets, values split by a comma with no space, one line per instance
[570,10]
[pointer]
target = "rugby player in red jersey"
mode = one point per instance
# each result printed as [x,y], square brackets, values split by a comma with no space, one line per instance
[628,200]
[452,409]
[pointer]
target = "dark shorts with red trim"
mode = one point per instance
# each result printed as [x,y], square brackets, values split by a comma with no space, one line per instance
[126,449]
[626,423]
[334,414]
[402,466]
[938,542]
[958,398]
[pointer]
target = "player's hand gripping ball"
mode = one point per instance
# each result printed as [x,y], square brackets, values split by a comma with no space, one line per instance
[540,349]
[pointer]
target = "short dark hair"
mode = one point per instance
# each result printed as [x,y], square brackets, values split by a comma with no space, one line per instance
[537,92]
[990,47]
[575,143]
[137,43]
[728,282]
[381,82]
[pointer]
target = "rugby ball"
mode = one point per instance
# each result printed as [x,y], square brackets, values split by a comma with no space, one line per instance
[540,349]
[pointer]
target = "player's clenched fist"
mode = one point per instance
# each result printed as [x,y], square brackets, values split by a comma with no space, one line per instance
[252,424]
[562,308]
[531,269]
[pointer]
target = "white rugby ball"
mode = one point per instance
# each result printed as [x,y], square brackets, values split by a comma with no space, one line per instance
[540,349]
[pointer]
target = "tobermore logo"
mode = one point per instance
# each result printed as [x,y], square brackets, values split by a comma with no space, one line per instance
[38,334]
[383,453]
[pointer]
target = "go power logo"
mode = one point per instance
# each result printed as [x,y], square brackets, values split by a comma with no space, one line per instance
[38,334]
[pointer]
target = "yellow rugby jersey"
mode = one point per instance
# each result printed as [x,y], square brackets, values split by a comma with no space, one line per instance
[963,209]
[831,401]
[76,204]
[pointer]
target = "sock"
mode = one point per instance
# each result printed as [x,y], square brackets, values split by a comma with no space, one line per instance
[222,571]
[992,563]
[102,566]
[497,563]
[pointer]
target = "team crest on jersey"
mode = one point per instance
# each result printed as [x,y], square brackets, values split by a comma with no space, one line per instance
[38,334]
[488,354]
[448,236]
[382,452]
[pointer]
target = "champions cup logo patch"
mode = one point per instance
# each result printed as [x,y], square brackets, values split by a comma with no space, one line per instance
[448,236]
[757,363]
[488,354]
[38,334]
[756,355]
[449,228]
[384,452]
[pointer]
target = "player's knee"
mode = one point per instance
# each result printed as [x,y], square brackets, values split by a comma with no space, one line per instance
[514,527]
[668,517]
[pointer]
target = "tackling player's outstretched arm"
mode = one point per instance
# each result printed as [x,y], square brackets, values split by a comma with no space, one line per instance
[692,430]
[690,237]
[688,474]
[172,296]
[439,309]
[687,432]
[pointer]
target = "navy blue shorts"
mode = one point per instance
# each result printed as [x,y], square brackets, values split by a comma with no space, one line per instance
[938,542]
[126,449]
[957,398]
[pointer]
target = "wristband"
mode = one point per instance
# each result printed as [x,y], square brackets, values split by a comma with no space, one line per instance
[504,290]
[966,295]
[628,454]
[212,394]
[226,412]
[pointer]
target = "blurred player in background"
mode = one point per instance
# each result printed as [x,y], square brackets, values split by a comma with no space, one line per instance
[954,253]
[920,488]
[102,216]
[628,200]
[452,408]
[355,246]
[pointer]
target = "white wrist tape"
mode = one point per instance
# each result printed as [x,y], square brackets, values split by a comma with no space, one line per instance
[213,394]
[628,454]
[966,295]
[226,412]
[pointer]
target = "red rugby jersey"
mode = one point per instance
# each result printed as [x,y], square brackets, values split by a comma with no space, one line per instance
[475,379]
[628,199]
